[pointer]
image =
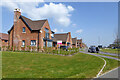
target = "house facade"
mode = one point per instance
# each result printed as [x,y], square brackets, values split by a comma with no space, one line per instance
[3,40]
[74,42]
[26,32]
[79,43]
[64,37]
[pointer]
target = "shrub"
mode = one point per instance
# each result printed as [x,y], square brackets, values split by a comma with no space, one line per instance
[29,48]
[3,48]
[0,48]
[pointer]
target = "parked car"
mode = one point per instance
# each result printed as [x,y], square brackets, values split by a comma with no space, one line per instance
[97,50]
[64,48]
[93,49]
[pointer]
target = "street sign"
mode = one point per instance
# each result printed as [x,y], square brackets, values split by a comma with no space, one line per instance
[59,42]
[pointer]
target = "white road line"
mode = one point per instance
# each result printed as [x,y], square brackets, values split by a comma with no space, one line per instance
[102,67]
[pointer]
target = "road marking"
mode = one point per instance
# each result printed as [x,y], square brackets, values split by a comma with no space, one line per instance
[102,67]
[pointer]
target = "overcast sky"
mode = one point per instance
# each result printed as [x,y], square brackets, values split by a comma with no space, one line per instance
[94,22]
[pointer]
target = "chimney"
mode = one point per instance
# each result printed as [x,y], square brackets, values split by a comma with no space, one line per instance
[17,13]
[70,39]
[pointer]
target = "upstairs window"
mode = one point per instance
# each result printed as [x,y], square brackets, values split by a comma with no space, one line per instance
[33,42]
[23,29]
[23,43]
[46,33]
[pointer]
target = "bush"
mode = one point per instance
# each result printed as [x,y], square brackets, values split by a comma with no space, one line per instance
[0,48]
[3,48]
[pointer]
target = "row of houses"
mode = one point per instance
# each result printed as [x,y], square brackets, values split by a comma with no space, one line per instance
[27,32]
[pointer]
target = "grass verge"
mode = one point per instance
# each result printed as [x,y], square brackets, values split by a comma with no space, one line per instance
[36,65]
[110,50]
[111,64]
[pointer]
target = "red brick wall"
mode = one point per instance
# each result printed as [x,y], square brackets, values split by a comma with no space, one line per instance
[69,39]
[17,35]
[0,43]
[46,25]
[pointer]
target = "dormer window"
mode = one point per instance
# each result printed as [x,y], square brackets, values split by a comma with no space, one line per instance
[23,29]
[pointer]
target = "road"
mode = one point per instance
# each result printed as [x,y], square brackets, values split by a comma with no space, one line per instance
[100,55]
[112,54]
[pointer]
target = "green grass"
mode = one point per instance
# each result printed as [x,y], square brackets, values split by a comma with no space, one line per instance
[110,50]
[36,65]
[111,64]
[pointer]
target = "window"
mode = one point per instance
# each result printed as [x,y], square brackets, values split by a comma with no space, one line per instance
[6,40]
[49,44]
[23,42]
[23,29]
[46,33]
[33,42]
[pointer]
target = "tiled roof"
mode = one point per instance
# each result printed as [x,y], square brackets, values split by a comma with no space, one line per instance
[4,36]
[34,25]
[62,37]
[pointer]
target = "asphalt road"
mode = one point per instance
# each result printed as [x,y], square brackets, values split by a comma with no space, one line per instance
[112,54]
[100,55]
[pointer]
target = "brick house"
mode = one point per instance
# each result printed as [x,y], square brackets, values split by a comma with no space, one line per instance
[74,42]
[79,43]
[3,39]
[64,37]
[26,32]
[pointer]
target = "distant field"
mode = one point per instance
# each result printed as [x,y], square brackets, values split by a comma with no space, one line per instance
[36,65]
[110,50]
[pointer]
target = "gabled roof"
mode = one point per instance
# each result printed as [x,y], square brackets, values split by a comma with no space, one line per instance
[74,40]
[3,36]
[32,25]
[62,37]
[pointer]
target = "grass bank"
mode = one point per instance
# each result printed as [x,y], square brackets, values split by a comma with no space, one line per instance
[36,65]
[110,50]
[111,64]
